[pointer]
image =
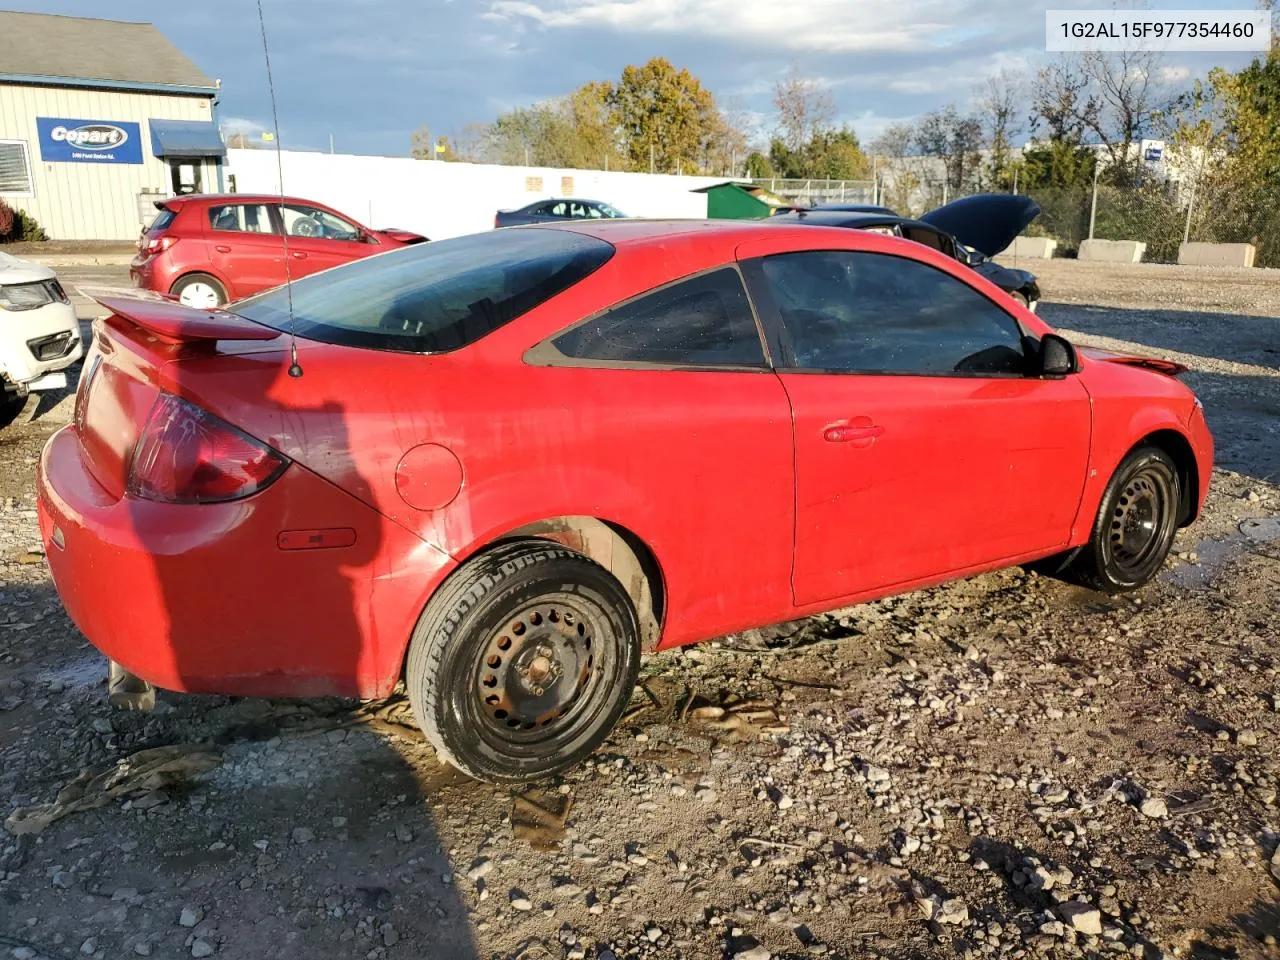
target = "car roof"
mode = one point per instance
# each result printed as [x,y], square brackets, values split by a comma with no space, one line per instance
[237,198]
[632,230]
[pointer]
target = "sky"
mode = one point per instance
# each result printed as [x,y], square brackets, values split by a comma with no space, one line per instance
[369,72]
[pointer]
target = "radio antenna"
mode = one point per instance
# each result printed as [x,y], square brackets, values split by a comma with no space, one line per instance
[295,368]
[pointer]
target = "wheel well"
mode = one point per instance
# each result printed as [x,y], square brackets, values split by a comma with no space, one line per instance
[1179,450]
[620,552]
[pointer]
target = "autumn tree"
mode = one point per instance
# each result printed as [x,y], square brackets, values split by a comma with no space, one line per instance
[663,116]
[808,145]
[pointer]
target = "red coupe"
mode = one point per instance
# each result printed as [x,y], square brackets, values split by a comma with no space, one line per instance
[209,249]
[502,467]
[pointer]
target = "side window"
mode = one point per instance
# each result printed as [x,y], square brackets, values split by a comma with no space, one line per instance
[577,211]
[875,313]
[304,221]
[239,218]
[702,321]
[560,210]
[594,212]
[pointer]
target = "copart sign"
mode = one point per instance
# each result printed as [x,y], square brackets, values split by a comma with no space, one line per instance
[89,141]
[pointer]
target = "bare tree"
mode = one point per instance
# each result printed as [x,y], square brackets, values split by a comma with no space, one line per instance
[954,139]
[805,108]
[1123,91]
[1062,97]
[1000,102]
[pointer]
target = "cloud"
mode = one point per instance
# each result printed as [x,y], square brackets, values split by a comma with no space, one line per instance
[827,25]
[1174,74]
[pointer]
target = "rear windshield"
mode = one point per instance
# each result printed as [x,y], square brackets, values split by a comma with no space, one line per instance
[432,297]
[164,217]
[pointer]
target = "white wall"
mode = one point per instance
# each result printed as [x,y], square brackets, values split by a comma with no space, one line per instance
[94,201]
[443,200]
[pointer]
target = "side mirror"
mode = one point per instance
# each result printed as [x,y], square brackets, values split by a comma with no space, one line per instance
[1057,356]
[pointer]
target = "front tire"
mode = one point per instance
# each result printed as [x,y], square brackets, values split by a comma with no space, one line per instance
[1136,523]
[523,661]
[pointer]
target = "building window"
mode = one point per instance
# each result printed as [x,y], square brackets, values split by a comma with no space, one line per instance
[15,169]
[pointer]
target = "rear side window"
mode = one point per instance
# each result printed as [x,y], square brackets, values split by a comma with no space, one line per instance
[241,218]
[703,321]
[164,216]
[432,297]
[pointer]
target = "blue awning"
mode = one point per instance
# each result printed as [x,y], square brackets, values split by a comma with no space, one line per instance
[186,138]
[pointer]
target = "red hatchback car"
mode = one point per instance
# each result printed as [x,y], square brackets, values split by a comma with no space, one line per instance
[210,249]
[506,465]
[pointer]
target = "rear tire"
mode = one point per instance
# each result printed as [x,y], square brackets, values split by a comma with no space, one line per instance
[199,290]
[523,661]
[1136,523]
[10,406]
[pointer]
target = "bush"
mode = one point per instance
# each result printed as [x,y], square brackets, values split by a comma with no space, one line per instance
[16,225]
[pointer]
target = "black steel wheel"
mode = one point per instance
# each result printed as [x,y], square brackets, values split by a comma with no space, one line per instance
[523,661]
[1135,526]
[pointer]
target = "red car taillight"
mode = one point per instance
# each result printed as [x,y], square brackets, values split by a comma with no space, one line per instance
[154,245]
[186,455]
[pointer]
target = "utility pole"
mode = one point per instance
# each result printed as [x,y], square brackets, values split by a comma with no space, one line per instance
[331,143]
[1093,205]
[651,156]
[1191,205]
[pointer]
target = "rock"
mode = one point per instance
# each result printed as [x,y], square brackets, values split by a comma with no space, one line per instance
[142,949]
[654,934]
[23,953]
[755,953]
[521,902]
[190,916]
[1053,928]
[877,774]
[480,870]
[705,794]
[303,835]
[953,911]
[1081,917]
[202,948]
[89,947]
[1040,879]
[1154,807]
[404,834]
[1247,738]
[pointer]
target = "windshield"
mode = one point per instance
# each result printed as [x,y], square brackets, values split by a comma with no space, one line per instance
[432,297]
[609,211]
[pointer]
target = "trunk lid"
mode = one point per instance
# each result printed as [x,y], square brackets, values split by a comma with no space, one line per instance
[987,222]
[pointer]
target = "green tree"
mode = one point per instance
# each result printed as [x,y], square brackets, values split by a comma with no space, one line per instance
[664,116]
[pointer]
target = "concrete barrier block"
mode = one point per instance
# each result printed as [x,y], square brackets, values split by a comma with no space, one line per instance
[1217,254]
[1112,251]
[1032,248]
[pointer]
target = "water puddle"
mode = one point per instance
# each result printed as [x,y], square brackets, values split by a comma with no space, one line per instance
[1216,554]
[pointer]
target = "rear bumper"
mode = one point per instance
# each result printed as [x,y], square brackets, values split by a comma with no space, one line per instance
[202,598]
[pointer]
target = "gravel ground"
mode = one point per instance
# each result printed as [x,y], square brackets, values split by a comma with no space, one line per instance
[1005,766]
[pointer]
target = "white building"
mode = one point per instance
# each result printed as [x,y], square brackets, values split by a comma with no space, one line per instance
[98,118]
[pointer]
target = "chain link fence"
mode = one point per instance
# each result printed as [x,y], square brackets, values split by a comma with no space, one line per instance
[809,193]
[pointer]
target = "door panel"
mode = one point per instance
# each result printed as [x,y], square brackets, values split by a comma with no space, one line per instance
[925,444]
[318,240]
[245,247]
[903,478]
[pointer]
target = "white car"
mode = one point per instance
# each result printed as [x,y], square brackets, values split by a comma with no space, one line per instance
[39,334]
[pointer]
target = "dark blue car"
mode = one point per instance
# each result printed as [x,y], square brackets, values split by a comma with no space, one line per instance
[557,210]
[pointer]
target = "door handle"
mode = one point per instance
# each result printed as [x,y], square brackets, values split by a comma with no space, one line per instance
[298,255]
[222,248]
[862,434]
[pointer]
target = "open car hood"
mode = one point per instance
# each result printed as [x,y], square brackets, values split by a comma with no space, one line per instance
[987,222]
[1168,367]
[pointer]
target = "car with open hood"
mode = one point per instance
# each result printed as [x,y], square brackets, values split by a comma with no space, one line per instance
[39,334]
[973,230]
[209,249]
[501,468]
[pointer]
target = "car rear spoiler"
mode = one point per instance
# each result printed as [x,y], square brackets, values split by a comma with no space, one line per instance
[167,320]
